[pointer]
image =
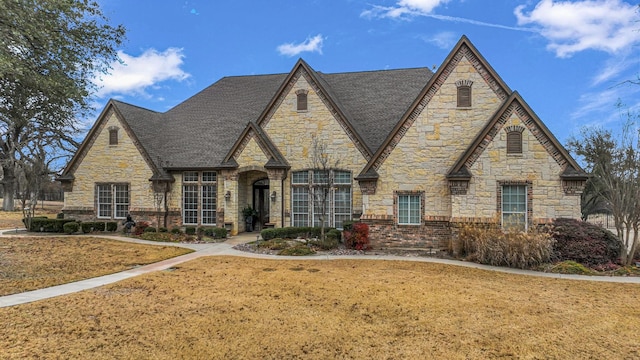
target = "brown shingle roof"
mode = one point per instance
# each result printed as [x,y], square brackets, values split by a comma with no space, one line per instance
[199,132]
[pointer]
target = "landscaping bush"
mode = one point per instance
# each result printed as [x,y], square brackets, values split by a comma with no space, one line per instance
[176,230]
[163,229]
[190,230]
[329,243]
[99,226]
[112,226]
[358,237]
[87,227]
[71,227]
[150,229]
[493,246]
[570,267]
[46,224]
[273,244]
[216,232]
[139,228]
[292,232]
[334,234]
[298,250]
[154,236]
[60,216]
[585,243]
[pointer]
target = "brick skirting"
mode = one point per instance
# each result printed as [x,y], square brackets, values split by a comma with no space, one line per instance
[386,234]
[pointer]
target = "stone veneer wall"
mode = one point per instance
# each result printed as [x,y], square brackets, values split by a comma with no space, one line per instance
[104,163]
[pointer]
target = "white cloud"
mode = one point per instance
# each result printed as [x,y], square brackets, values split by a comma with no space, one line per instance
[313,44]
[404,8]
[443,40]
[135,74]
[606,25]
[616,70]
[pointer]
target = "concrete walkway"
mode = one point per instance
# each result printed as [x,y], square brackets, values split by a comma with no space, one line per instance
[226,248]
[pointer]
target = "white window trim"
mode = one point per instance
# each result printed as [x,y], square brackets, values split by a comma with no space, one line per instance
[409,196]
[312,185]
[526,206]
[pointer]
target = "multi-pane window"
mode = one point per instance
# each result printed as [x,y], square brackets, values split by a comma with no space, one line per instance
[112,200]
[409,209]
[311,189]
[514,206]
[199,198]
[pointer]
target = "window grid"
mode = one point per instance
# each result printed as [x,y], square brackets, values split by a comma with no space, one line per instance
[112,201]
[104,201]
[514,206]
[199,198]
[409,209]
[306,186]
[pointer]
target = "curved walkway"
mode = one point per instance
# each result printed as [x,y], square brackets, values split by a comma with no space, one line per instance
[226,248]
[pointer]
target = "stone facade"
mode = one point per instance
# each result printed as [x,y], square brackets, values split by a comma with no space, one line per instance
[436,135]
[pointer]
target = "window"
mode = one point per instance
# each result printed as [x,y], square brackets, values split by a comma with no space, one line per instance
[112,200]
[514,206]
[310,189]
[301,100]
[514,142]
[199,198]
[409,209]
[464,93]
[113,136]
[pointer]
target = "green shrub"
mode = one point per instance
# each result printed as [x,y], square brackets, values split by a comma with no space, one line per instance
[583,242]
[99,225]
[154,236]
[190,230]
[329,243]
[149,229]
[298,250]
[112,226]
[176,230]
[570,267]
[215,232]
[273,244]
[492,246]
[87,227]
[163,229]
[292,233]
[268,234]
[71,227]
[60,216]
[334,234]
[44,224]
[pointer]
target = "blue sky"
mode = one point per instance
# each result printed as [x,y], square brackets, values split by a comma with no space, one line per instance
[568,59]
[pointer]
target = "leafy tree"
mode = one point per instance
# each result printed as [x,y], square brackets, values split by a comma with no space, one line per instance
[50,53]
[614,163]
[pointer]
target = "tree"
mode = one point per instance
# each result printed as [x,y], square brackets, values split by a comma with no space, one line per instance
[51,51]
[614,163]
[323,181]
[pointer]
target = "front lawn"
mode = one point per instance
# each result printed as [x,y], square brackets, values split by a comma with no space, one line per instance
[30,263]
[242,308]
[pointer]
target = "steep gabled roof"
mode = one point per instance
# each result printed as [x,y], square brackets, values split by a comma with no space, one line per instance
[515,104]
[253,131]
[464,48]
[131,117]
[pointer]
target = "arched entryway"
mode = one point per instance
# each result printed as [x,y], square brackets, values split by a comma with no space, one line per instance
[261,202]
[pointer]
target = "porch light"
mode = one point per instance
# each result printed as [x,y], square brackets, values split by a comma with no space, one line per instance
[273,196]
[227,196]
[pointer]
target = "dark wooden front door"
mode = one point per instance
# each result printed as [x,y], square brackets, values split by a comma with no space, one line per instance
[261,202]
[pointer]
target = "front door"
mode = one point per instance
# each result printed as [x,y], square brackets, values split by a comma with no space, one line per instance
[261,202]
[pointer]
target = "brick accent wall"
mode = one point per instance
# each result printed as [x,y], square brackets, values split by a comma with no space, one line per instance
[384,233]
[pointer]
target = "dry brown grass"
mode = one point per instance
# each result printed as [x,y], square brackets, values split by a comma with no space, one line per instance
[30,263]
[240,308]
[13,219]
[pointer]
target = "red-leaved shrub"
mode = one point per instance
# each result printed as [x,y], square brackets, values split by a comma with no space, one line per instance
[357,237]
[139,228]
[585,243]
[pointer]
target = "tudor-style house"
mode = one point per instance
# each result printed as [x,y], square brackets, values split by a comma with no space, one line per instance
[417,152]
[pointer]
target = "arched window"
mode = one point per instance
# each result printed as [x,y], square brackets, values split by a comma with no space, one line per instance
[464,93]
[302,100]
[514,139]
